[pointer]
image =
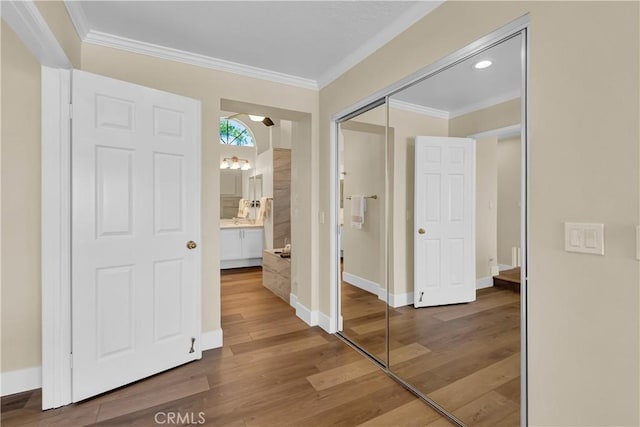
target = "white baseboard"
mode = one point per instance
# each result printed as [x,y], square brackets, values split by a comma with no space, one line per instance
[324,322]
[485,282]
[211,339]
[310,317]
[20,380]
[362,283]
[400,300]
[240,263]
[395,300]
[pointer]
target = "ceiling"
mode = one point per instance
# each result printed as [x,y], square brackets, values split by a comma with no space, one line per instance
[462,88]
[304,43]
[305,39]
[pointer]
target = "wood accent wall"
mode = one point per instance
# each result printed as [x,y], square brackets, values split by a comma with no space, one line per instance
[281,208]
[276,274]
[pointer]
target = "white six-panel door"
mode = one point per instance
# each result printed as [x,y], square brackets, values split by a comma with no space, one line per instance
[444,235]
[135,206]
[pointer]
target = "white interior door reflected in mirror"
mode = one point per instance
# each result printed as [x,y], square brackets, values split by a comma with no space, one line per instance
[444,242]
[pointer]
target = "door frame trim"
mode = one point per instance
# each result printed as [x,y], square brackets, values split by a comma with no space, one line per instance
[56,237]
[33,30]
[520,25]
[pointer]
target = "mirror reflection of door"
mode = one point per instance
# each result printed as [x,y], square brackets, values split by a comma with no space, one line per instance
[362,141]
[454,290]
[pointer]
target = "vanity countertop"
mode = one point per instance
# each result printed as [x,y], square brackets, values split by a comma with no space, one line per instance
[229,223]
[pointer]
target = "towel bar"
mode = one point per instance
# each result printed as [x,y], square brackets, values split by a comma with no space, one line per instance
[375,196]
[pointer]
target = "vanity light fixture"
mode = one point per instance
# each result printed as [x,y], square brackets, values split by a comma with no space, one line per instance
[235,163]
[485,63]
[256,118]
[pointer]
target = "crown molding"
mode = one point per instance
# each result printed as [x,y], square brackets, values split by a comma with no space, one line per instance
[78,18]
[419,109]
[27,22]
[443,114]
[404,21]
[500,133]
[509,96]
[171,54]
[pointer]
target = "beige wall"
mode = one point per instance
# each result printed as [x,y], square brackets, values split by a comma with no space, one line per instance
[364,163]
[2,24]
[20,253]
[576,326]
[406,126]
[21,334]
[55,13]
[490,118]
[209,87]
[304,212]
[486,205]
[509,169]
[264,167]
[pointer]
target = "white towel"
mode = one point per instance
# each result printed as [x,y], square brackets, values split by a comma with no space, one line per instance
[262,213]
[358,208]
[243,208]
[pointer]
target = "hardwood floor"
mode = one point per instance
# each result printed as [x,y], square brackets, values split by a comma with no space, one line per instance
[466,357]
[364,320]
[508,279]
[272,371]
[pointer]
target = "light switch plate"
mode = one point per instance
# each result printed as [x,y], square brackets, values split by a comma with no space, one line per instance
[584,238]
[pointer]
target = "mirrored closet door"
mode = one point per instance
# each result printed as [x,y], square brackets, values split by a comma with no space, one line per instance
[436,294]
[363,287]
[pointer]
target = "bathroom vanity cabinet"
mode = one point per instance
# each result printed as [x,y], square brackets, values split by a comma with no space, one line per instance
[240,247]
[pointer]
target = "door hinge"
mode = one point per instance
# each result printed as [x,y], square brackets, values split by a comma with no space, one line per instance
[70,111]
[193,341]
[71,360]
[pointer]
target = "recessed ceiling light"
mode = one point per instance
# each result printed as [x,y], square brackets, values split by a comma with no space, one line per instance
[485,63]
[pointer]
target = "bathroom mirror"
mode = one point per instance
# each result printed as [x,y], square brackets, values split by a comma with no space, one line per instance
[363,289]
[231,191]
[254,194]
[255,190]
[236,185]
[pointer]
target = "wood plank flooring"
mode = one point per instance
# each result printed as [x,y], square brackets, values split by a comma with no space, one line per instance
[272,371]
[470,353]
[508,279]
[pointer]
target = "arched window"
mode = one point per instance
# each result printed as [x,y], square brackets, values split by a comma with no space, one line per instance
[234,132]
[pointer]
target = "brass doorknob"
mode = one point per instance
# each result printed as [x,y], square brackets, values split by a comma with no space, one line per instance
[191,244]
[421,231]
